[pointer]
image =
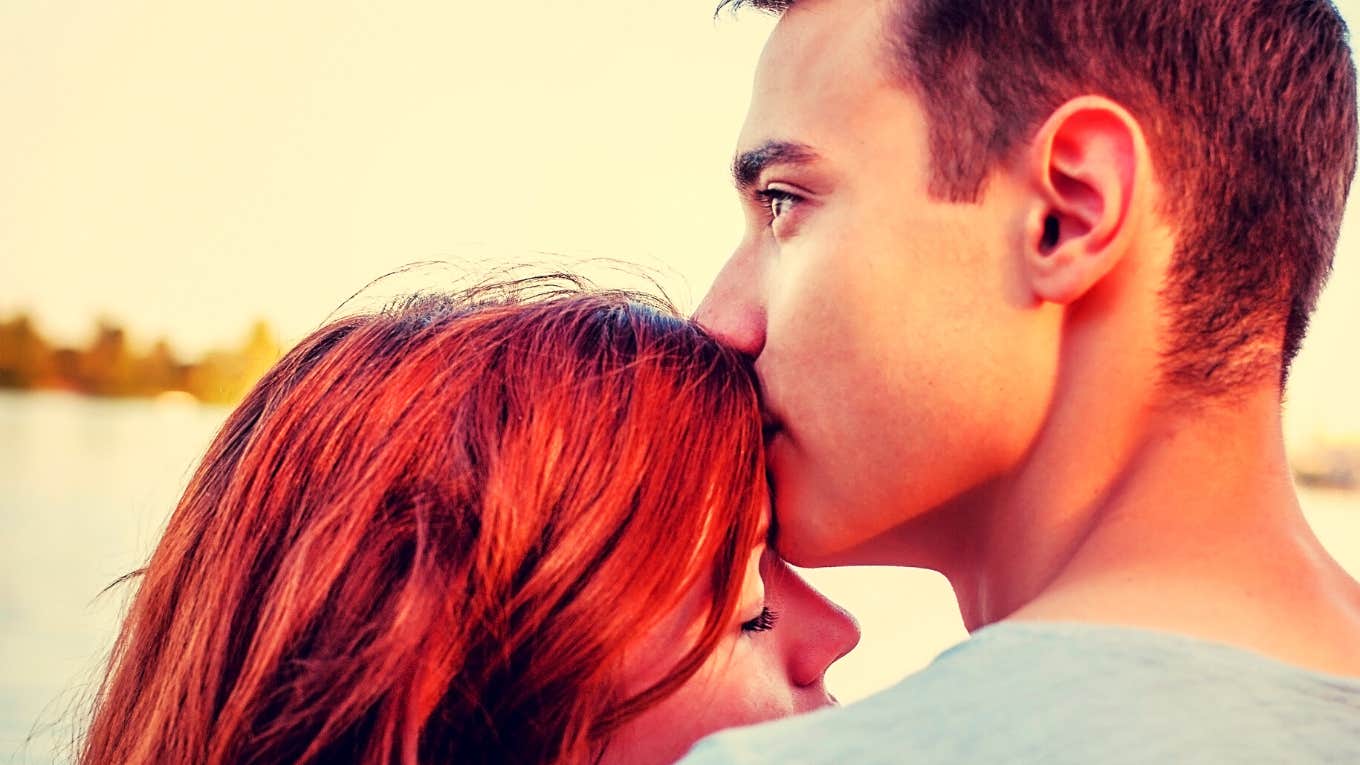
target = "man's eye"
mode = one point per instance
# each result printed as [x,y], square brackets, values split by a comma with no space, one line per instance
[762,623]
[778,202]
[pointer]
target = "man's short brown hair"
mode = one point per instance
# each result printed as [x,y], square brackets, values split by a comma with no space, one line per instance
[1250,110]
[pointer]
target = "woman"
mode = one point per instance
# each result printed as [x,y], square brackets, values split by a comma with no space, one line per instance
[522,524]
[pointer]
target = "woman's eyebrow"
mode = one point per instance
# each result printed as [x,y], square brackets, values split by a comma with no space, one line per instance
[748,165]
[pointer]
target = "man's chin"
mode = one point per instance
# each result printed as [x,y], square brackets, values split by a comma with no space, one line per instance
[806,550]
[805,540]
[810,530]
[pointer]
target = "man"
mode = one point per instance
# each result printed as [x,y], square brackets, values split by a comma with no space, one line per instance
[1022,281]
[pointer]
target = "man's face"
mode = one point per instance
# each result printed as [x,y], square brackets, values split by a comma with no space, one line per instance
[901,355]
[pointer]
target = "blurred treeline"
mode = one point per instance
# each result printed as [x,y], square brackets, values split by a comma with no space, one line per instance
[110,366]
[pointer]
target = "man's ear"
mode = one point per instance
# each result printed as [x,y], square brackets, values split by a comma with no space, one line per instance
[1084,166]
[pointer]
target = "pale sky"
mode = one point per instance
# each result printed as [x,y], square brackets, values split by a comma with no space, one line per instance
[187,167]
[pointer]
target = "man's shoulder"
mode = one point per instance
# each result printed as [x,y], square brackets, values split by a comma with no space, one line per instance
[928,706]
[1072,693]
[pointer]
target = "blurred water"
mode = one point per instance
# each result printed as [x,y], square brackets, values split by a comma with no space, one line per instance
[86,485]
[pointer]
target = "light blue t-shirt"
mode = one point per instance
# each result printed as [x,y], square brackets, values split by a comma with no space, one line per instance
[1068,693]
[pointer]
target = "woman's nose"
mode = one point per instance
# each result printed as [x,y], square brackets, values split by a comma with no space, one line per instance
[823,630]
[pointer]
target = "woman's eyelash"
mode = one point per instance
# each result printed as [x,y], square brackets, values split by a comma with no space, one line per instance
[762,623]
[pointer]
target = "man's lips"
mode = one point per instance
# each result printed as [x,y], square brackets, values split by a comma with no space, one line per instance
[769,426]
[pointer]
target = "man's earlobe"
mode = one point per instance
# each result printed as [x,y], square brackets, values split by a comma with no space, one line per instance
[1086,163]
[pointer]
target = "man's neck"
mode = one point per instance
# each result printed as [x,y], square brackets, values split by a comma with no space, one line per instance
[1185,523]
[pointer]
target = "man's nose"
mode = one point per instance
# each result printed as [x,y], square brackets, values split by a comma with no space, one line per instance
[733,310]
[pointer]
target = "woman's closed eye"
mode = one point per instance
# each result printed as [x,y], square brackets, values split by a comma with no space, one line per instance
[762,623]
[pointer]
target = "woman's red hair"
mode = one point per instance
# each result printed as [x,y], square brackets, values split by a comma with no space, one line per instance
[429,534]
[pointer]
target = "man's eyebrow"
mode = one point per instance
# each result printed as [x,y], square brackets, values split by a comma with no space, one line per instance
[748,165]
